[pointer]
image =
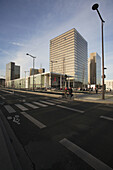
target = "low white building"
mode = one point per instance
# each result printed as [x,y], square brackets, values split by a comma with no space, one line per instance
[44,80]
[109,84]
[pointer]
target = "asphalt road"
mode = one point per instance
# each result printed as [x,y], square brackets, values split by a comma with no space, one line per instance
[59,134]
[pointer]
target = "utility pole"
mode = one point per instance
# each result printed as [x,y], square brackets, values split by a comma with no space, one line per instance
[95,7]
[63,71]
[33,67]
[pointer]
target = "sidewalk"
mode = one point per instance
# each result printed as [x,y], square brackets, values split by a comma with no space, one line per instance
[85,97]
[95,98]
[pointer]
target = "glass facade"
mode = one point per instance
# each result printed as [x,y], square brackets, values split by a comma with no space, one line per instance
[12,71]
[94,69]
[40,81]
[68,55]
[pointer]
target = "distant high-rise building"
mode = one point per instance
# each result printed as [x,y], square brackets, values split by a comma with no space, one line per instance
[2,82]
[69,55]
[12,71]
[41,70]
[94,69]
[37,71]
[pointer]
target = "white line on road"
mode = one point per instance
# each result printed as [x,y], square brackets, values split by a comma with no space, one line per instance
[47,102]
[33,120]
[107,118]
[57,100]
[9,109]
[31,105]
[8,91]
[75,110]
[87,157]
[2,97]
[40,104]
[21,107]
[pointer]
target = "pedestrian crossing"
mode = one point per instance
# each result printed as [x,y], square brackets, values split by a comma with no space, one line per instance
[40,104]
[21,107]
[27,106]
[9,109]
[31,105]
[46,102]
[36,105]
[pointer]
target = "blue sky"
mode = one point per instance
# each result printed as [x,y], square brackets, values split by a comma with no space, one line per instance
[26,26]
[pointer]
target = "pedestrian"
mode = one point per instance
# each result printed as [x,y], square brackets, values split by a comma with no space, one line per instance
[65,92]
[70,92]
[96,90]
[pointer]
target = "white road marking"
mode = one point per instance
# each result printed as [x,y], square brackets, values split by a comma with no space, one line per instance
[31,105]
[56,102]
[40,104]
[21,107]
[107,118]
[47,102]
[33,120]
[2,97]
[8,91]
[87,157]
[75,110]
[9,109]
[59,100]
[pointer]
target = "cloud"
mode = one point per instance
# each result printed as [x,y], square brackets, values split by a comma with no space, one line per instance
[5,52]
[17,44]
[62,18]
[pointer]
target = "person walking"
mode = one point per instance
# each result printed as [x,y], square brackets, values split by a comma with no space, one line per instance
[65,92]
[70,93]
[96,90]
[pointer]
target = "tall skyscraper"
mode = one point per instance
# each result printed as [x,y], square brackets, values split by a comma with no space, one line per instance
[68,55]
[12,71]
[94,69]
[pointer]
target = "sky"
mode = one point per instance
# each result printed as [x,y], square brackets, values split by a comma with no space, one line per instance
[27,26]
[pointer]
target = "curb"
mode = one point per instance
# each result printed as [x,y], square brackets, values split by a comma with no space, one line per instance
[94,101]
[36,93]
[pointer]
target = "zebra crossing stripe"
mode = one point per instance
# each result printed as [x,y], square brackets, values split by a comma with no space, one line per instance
[68,108]
[84,155]
[107,118]
[21,107]
[2,97]
[33,120]
[63,101]
[40,104]
[47,102]
[31,105]
[9,109]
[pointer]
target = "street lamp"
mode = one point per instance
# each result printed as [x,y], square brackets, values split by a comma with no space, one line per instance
[33,66]
[95,7]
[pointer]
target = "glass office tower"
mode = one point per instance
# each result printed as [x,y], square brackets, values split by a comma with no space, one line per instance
[94,69]
[12,71]
[68,55]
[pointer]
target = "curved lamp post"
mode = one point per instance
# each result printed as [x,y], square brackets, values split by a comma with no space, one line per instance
[33,67]
[95,7]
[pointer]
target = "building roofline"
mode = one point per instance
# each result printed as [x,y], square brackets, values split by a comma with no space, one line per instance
[75,30]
